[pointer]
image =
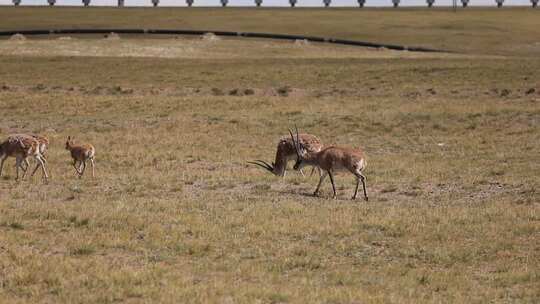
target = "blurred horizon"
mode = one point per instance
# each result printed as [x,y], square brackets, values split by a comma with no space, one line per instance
[267,3]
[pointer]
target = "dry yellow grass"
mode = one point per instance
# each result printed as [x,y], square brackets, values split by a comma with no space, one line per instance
[176,215]
[487,30]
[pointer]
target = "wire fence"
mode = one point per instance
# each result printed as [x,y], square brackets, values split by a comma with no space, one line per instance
[271,3]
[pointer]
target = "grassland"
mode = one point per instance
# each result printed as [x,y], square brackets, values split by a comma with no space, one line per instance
[176,215]
[508,31]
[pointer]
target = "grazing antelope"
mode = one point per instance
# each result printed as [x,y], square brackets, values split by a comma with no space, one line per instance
[332,159]
[286,151]
[81,153]
[21,147]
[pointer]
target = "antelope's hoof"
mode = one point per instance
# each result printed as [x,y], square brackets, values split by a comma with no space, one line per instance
[316,194]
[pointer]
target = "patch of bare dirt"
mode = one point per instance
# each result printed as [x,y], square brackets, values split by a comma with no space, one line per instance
[302,43]
[210,37]
[112,36]
[17,37]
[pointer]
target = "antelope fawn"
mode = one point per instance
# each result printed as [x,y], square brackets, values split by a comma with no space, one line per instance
[43,142]
[286,151]
[21,147]
[332,159]
[81,153]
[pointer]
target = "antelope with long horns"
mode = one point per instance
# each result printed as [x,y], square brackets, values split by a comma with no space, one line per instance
[332,159]
[81,153]
[286,151]
[21,147]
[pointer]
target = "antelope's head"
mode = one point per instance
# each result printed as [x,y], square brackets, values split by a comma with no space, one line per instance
[69,143]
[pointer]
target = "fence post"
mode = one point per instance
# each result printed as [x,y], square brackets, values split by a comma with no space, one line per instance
[361,3]
[292,3]
[499,3]
[534,3]
[189,3]
[258,2]
[16,2]
[86,2]
[395,3]
[430,3]
[224,2]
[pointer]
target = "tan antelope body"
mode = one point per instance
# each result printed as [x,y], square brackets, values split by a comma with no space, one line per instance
[332,159]
[21,147]
[286,151]
[43,142]
[80,154]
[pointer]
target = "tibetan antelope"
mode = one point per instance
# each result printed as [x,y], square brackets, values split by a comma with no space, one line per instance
[21,147]
[80,154]
[43,142]
[286,151]
[332,159]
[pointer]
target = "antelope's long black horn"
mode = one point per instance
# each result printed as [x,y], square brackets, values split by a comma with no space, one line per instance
[263,164]
[295,144]
[297,136]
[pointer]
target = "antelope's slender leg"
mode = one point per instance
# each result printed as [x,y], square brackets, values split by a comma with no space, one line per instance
[302,172]
[37,166]
[27,164]
[321,179]
[2,164]
[75,166]
[313,170]
[92,163]
[40,163]
[83,168]
[80,170]
[25,170]
[357,186]
[43,161]
[363,178]
[333,185]
[17,165]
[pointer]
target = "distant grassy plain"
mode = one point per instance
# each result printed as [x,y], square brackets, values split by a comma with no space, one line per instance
[508,31]
[176,215]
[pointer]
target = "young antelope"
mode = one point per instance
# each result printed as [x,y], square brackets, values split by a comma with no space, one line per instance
[330,160]
[43,142]
[80,154]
